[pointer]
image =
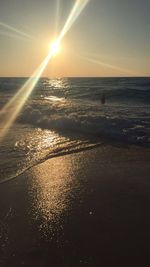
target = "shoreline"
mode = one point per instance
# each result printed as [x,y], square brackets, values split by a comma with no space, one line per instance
[113,143]
[84,209]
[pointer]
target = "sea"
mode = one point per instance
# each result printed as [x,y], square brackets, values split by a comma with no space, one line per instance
[68,115]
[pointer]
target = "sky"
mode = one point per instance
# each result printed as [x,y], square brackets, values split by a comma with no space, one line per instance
[109,38]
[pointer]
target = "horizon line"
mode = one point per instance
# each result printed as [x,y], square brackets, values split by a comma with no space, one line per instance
[59,77]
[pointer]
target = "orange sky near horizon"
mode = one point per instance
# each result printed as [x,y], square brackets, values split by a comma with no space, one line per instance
[99,44]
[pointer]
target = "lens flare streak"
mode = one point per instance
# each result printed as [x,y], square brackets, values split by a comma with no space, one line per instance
[57,17]
[14,30]
[9,113]
[13,35]
[11,110]
[98,62]
[77,9]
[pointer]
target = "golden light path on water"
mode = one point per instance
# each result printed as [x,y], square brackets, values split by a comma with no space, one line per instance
[11,110]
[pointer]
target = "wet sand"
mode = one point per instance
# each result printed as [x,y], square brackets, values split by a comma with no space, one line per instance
[85,209]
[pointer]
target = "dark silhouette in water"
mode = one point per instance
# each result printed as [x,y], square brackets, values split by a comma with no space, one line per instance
[103,99]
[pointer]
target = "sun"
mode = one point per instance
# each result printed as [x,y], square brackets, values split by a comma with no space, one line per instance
[55,47]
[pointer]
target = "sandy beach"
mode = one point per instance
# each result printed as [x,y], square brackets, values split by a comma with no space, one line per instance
[74,133]
[84,209]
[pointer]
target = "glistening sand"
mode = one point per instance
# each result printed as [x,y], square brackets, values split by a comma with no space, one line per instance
[86,209]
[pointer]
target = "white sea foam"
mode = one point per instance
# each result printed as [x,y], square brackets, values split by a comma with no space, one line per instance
[66,116]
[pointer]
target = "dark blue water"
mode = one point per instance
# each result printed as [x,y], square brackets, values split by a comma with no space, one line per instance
[74,105]
[67,115]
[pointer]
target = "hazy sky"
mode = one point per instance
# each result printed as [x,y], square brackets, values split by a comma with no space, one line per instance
[109,38]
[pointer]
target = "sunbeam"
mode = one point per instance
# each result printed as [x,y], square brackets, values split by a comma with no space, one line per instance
[110,66]
[77,9]
[13,29]
[57,17]
[14,35]
[11,110]
[9,113]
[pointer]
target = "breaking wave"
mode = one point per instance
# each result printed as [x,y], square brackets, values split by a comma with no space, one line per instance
[90,120]
[64,116]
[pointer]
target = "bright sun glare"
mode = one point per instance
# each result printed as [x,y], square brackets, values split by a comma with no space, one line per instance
[55,47]
[16,103]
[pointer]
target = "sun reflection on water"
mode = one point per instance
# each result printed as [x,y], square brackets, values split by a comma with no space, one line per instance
[55,98]
[57,83]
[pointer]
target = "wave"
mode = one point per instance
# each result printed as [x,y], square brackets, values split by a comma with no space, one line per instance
[71,118]
[127,91]
[72,109]
[57,152]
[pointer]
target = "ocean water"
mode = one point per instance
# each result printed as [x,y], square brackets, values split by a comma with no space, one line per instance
[66,115]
